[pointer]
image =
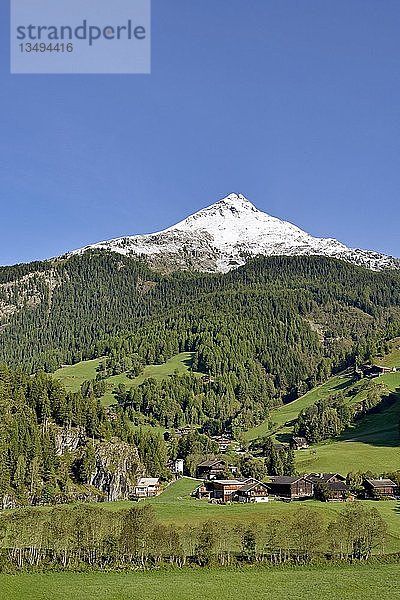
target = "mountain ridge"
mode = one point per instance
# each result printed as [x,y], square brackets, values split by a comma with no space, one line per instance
[222,236]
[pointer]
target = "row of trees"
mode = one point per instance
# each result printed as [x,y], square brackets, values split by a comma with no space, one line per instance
[72,537]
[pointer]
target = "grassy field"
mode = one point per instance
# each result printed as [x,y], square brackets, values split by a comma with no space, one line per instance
[393,358]
[176,506]
[73,376]
[288,412]
[304,583]
[372,445]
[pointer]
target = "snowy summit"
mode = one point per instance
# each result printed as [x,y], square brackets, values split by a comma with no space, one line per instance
[220,237]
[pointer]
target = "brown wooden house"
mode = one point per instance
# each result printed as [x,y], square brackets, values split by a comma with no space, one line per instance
[376,488]
[334,482]
[223,442]
[210,469]
[376,370]
[254,491]
[225,489]
[222,490]
[293,488]
[339,491]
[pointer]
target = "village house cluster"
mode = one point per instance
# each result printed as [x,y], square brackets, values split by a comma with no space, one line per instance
[329,486]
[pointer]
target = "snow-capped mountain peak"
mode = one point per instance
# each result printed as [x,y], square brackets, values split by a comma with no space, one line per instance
[221,237]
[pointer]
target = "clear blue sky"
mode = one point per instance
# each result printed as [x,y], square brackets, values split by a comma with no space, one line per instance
[294,103]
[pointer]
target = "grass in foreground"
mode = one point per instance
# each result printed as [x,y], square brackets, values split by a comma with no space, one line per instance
[304,583]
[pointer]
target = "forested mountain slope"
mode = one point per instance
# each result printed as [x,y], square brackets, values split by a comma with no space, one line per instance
[57,446]
[269,330]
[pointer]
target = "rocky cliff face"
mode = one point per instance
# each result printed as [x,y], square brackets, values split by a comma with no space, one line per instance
[117,470]
[69,439]
[117,464]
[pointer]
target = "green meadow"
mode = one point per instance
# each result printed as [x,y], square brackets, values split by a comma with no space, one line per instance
[289,411]
[72,376]
[176,506]
[371,445]
[302,583]
[392,359]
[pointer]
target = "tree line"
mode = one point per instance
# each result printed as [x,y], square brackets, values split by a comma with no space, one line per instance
[86,536]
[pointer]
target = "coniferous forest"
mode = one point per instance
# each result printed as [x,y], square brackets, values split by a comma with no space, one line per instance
[259,336]
[262,334]
[266,332]
[34,410]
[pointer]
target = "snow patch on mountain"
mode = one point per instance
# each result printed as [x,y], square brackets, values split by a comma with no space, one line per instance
[223,235]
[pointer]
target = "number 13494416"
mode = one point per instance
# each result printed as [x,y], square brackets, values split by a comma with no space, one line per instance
[28,47]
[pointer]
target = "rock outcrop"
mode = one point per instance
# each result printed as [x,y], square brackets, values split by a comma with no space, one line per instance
[117,469]
[69,439]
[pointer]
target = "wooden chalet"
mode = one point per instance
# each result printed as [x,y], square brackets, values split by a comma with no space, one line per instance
[325,477]
[292,488]
[147,487]
[299,443]
[225,489]
[375,488]
[243,490]
[221,490]
[375,370]
[255,491]
[339,492]
[223,442]
[210,469]
[336,484]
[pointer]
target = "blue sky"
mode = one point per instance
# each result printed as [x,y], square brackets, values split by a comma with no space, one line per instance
[294,103]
